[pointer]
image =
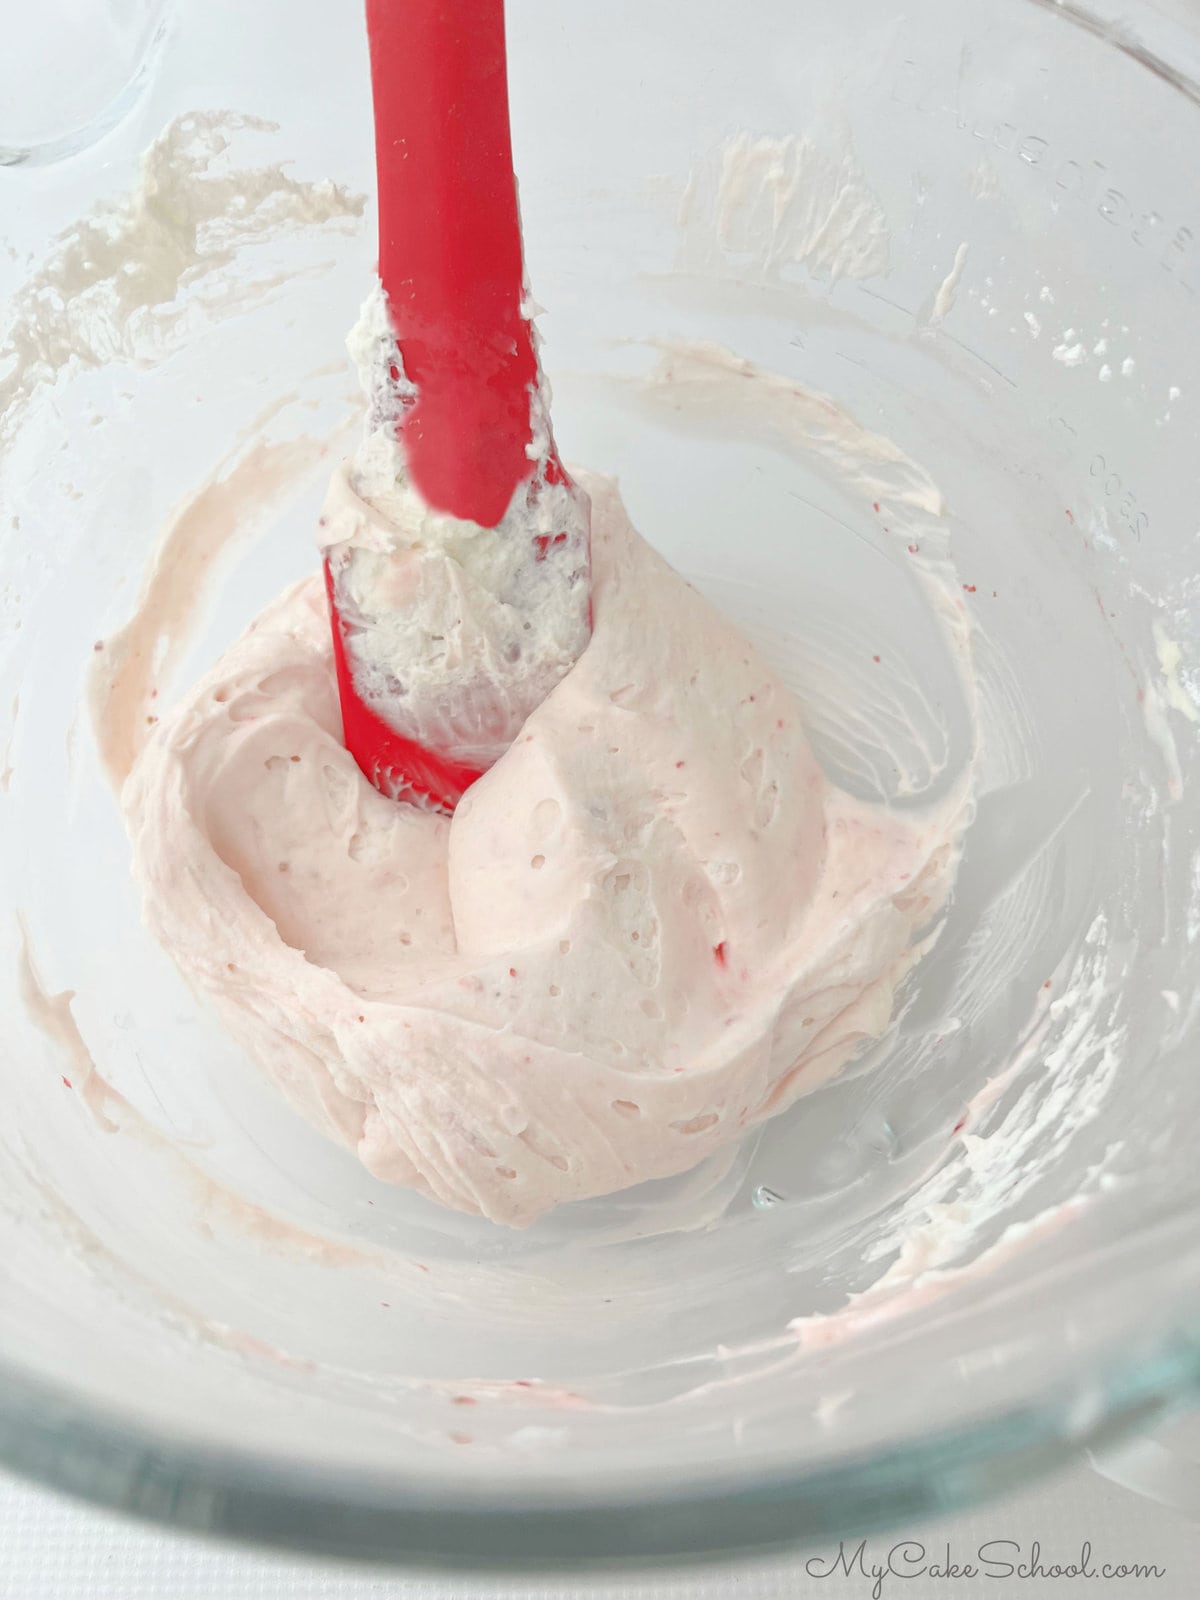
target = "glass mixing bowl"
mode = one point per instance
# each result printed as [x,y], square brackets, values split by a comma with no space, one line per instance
[977,1250]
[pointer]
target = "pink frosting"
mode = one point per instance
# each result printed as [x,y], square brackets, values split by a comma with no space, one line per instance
[651,925]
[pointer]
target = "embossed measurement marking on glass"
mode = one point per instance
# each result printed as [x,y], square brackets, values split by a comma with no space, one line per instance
[1123,500]
[1086,182]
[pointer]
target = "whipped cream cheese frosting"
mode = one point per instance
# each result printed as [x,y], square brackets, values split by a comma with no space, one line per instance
[652,924]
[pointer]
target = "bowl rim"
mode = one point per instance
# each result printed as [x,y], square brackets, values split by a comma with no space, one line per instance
[67,1442]
[97,1457]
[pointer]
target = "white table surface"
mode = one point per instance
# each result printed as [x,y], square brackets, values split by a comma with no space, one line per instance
[55,1549]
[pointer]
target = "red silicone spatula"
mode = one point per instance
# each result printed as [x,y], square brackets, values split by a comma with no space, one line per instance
[451,266]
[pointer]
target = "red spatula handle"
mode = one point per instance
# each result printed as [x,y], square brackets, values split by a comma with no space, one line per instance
[450,248]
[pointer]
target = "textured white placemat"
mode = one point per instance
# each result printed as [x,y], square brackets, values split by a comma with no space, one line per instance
[54,1549]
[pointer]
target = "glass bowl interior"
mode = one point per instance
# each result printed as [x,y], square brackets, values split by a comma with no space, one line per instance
[971,230]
